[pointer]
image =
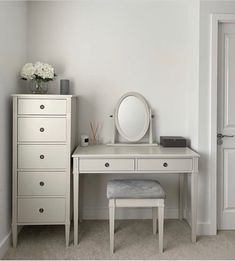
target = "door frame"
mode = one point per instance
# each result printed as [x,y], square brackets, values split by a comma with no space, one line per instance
[216,19]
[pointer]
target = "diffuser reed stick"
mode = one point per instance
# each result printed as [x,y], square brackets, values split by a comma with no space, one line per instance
[94,130]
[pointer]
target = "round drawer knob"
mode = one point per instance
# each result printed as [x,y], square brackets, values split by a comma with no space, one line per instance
[165,164]
[41,210]
[106,164]
[42,107]
[41,156]
[42,129]
[41,183]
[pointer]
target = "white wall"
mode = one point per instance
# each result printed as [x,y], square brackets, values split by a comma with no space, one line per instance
[206,9]
[108,48]
[13,22]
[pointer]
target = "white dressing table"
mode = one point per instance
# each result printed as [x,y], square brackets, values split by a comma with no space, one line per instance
[103,159]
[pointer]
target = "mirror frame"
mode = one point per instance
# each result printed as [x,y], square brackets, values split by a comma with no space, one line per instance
[147,121]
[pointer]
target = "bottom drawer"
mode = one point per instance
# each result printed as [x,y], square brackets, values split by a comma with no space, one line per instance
[41,210]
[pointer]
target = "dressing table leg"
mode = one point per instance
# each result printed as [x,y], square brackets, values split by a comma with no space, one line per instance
[111,224]
[160,227]
[67,230]
[186,192]
[194,194]
[181,195]
[75,199]
[80,198]
[14,235]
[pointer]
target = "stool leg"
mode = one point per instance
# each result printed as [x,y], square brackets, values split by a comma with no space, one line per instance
[160,227]
[111,226]
[154,212]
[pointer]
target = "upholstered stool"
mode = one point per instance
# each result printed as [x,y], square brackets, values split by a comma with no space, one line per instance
[136,193]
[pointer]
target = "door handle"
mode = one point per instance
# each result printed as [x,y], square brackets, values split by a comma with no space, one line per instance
[221,136]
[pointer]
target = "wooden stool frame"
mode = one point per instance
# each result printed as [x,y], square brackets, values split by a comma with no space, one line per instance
[156,204]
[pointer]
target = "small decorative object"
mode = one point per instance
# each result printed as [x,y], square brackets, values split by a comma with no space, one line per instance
[39,74]
[173,141]
[64,86]
[94,130]
[84,140]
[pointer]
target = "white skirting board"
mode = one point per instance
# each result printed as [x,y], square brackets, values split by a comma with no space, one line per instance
[203,228]
[125,213]
[5,244]
[144,213]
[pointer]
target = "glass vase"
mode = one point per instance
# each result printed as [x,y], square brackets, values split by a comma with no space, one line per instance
[38,87]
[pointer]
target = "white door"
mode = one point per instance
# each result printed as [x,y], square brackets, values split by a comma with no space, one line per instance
[226,126]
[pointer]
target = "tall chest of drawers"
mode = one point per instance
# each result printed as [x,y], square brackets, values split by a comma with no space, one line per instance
[44,136]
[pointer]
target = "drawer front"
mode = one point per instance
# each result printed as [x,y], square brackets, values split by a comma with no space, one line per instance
[42,156]
[41,106]
[165,164]
[41,129]
[106,165]
[41,183]
[41,210]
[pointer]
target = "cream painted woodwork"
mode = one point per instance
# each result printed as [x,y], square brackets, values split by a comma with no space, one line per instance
[43,210]
[165,164]
[42,129]
[137,160]
[42,156]
[42,106]
[41,183]
[226,126]
[157,206]
[44,137]
[107,165]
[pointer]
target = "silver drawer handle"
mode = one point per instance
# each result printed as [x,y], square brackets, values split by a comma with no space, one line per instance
[42,129]
[106,164]
[165,164]
[42,107]
[41,210]
[42,157]
[41,183]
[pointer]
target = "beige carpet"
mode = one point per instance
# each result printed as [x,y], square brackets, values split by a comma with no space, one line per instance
[133,240]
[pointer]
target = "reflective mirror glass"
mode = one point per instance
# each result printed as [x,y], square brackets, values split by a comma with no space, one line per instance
[132,118]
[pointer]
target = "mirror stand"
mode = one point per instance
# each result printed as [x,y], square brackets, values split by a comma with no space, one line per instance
[115,133]
[132,121]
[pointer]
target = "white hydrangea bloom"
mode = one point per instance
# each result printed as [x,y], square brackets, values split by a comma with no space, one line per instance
[44,70]
[27,72]
[39,71]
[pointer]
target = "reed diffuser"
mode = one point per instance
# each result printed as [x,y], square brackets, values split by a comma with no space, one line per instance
[94,131]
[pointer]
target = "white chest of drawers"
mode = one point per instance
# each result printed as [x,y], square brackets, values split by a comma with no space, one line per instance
[44,136]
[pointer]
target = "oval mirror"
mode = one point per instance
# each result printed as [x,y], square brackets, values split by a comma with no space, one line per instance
[132,116]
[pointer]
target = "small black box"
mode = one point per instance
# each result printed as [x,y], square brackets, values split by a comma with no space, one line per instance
[173,141]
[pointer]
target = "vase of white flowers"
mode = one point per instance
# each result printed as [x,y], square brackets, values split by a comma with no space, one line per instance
[39,74]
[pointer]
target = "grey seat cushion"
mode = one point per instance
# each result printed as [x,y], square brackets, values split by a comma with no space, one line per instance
[134,188]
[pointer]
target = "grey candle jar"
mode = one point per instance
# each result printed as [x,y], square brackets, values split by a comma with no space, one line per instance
[64,86]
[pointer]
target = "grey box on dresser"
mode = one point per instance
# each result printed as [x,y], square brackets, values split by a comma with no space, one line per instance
[44,136]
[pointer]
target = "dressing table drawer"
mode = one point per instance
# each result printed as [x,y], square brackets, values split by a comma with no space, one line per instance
[41,106]
[42,129]
[41,183]
[41,210]
[165,164]
[107,165]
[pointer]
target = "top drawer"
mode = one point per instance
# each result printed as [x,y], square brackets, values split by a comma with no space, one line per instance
[106,165]
[165,164]
[41,106]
